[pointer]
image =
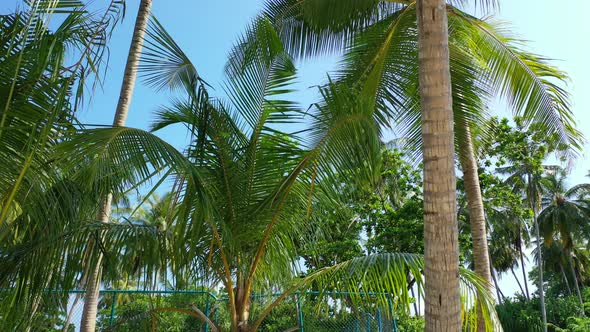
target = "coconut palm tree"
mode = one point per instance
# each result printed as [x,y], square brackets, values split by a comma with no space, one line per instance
[384,35]
[129,77]
[45,71]
[329,146]
[565,216]
[244,188]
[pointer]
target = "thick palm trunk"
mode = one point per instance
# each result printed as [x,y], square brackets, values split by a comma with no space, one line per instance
[476,215]
[88,323]
[441,259]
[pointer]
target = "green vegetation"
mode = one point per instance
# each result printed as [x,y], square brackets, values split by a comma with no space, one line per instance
[269,199]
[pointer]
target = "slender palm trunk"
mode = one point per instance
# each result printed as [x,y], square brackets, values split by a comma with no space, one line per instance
[476,215]
[90,310]
[522,267]
[88,323]
[442,308]
[498,291]
[540,266]
[567,283]
[576,284]
[517,281]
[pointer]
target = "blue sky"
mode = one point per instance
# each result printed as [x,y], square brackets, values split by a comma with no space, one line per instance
[207,29]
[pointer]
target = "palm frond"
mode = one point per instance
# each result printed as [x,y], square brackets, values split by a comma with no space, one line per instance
[313,27]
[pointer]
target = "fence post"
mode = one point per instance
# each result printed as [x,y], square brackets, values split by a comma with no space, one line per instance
[391,315]
[113,306]
[299,312]
[379,322]
[368,322]
[207,312]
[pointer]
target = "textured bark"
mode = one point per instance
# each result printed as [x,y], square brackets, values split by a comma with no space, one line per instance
[88,323]
[476,215]
[90,310]
[243,309]
[130,74]
[442,309]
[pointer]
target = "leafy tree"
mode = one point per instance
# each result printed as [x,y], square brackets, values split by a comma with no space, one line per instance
[507,219]
[524,148]
[393,214]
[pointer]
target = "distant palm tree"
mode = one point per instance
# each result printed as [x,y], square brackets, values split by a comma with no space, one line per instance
[565,217]
[525,176]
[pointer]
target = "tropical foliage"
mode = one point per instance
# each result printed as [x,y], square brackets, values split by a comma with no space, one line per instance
[270,197]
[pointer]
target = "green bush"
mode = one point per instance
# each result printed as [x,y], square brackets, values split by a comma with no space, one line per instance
[520,315]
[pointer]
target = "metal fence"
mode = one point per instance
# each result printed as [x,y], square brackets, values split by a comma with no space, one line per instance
[137,310]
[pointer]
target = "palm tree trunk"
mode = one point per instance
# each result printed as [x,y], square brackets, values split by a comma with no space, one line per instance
[540,266]
[442,308]
[141,22]
[517,281]
[88,323]
[576,285]
[498,292]
[522,267]
[90,310]
[476,215]
[567,283]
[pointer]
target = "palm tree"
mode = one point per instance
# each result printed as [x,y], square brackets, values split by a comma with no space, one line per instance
[441,244]
[566,216]
[243,188]
[382,60]
[331,141]
[45,71]
[93,284]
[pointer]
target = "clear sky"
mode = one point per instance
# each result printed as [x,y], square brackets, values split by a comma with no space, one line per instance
[207,29]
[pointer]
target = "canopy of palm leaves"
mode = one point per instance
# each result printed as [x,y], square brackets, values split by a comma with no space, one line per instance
[243,188]
[379,43]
